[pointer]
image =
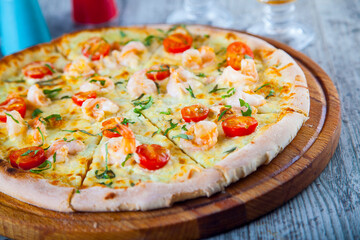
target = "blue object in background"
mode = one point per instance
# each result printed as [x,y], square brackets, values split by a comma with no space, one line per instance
[22,25]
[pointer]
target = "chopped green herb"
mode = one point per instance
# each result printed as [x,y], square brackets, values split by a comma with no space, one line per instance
[206,36]
[247,57]
[184,136]
[42,136]
[36,113]
[216,88]
[97,106]
[149,39]
[135,101]
[107,174]
[127,158]
[119,82]
[107,184]
[64,97]
[12,117]
[102,82]
[156,132]
[157,87]
[27,153]
[172,126]
[184,127]
[132,184]
[167,113]
[125,121]
[221,51]
[230,150]
[77,191]
[44,166]
[48,82]
[52,93]
[54,158]
[264,85]
[56,116]
[66,140]
[221,64]
[14,81]
[143,105]
[245,104]
[49,67]
[228,107]
[122,34]
[201,75]
[271,93]
[230,92]
[189,89]
[82,131]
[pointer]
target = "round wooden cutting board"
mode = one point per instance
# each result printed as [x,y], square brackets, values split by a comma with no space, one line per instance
[264,190]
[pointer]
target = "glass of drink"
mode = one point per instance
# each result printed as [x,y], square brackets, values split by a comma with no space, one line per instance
[278,22]
[201,12]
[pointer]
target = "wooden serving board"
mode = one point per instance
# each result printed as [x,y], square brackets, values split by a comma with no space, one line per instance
[264,190]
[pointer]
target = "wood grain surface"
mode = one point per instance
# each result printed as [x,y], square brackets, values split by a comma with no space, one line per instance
[264,190]
[330,207]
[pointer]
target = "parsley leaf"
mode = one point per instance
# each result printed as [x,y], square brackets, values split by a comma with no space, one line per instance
[172,126]
[184,136]
[245,104]
[230,92]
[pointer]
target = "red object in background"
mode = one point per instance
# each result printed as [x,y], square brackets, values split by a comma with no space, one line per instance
[94,11]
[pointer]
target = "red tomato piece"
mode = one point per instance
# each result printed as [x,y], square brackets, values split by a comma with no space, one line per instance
[152,157]
[38,70]
[95,48]
[27,158]
[80,97]
[112,124]
[10,104]
[239,126]
[177,43]
[158,72]
[194,113]
[235,52]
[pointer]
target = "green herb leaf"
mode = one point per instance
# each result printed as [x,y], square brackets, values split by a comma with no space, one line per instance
[102,82]
[201,75]
[216,88]
[42,136]
[228,107]
[119,82]
[167,113]
[122,34]
[230,150]
[184,127]
[156,132]
[245,104]
[64,97]
[49,82]
[125,121]
[56,116]
[247,57]
[221,64]
[52,93]
[14,81]
[143,105]
[230,92]
[172,126]
[82,131]
[184,136]
[264,85]
[271,93]
[49,67]
[36,113]
[26,153]
[107,174]
[44,166]
[107,184]
[221,51]
[77,191]
[54,158]
[136,101]
[127,158]
[157,87]
[189,89]
[8,114]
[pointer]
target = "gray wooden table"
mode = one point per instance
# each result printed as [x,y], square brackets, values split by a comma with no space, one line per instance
[330,207]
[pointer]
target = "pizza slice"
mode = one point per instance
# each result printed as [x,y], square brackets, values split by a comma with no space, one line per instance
[133,169]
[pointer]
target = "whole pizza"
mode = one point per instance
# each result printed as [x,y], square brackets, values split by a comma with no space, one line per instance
[137,118]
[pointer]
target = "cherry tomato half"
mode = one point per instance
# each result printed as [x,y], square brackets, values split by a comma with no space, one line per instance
[112,124]
[95,48]
[27,158]
[235,52]
[10,104]
[194,113]
[158,72]
[152,157]
[80,97]
[177,43]
[38,70]
[239,126]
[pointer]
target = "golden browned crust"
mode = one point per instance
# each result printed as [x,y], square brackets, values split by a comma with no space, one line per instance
[33,189]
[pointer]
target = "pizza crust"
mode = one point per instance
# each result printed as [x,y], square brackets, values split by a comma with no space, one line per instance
[33,189]
[262,149]
[149,195]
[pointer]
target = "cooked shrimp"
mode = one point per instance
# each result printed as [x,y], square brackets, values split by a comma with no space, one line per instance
[139,84]
[63,149]
[252,99]
[129,55]
[35,133]
[36,97]
[198,58]
[95,108]
[98,84]
[180,79]
[79,67]
[120,147]
[15,124]
[233,78]
[248,68]
[204,136]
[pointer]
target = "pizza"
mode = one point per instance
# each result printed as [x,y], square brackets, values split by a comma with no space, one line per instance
[137,118]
